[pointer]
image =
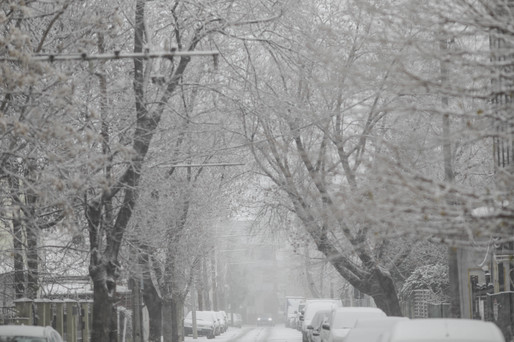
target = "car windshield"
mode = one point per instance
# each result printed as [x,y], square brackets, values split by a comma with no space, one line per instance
[22,339]
[319,317]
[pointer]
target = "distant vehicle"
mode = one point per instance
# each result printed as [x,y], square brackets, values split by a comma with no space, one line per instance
[237,320]
[206,324]
[292,307]
[311,307]
[299,316]
[342,320]
[444,329]
[314,328]
[28,333]
[265,319]
[372,329]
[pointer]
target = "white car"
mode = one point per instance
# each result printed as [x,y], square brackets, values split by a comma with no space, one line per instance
[206,324]
[314,328]
[222,318]
[343,319]
[445,329]
[23,333]
[311,307]
[372,329]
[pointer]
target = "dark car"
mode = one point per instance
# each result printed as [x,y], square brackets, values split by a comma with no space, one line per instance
[265,319]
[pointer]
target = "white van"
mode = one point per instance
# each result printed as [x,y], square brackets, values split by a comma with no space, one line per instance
[445,329]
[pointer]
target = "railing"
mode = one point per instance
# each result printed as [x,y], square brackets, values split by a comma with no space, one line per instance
[72,319]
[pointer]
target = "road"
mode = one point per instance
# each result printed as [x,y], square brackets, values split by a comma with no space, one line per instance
[249,333]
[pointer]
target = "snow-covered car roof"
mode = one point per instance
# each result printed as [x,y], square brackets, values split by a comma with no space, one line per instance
[449,330]
[47,333]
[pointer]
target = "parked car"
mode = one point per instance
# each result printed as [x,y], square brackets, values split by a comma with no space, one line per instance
[445,329]
[343,319]
[311,307]
[217,323]
[372,329]
[265,319]
[222,318]
[24,333]
[226,318]
[206,324]
[237,320]
[314,328]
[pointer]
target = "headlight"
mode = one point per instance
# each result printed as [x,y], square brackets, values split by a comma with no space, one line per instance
[270,319]
[258,318]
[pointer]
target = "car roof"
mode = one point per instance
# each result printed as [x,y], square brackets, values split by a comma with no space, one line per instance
[363,335]
[371,329]
[348,317]
[378,323]
[357,309]
[25,330]
[449,329]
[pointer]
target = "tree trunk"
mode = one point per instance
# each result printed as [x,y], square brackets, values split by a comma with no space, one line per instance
[177,323]
[137,312]
[453,273]
[205,285]
[384,293]
[308,275]
[32,235]
[374,282]
[32,261]
[103,304]
[167,318]
[453,266]
[200,298]
[153,303]
[214,282]
[19,264]
[104,272]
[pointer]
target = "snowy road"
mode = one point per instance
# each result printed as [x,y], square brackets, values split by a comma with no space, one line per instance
[248,333]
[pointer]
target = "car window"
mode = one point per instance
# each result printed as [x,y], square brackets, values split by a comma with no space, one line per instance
[22,339]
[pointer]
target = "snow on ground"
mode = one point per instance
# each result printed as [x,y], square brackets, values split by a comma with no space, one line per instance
[249,333]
